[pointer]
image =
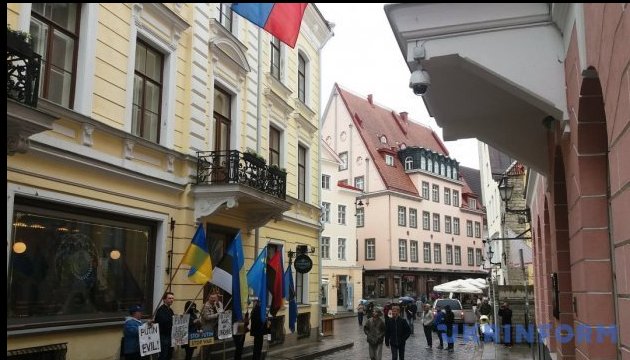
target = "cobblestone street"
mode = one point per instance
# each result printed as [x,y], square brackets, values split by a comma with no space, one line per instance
[348,328]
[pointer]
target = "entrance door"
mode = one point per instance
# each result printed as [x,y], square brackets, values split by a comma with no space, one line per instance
[342,294]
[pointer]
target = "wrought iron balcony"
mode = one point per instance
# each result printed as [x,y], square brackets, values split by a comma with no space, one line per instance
[22,72]
[234,167]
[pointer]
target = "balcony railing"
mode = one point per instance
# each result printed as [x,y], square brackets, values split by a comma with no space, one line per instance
[22,74]
[234,167]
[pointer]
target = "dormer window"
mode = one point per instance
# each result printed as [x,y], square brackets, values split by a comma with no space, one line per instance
[408,163]
[472,204]
[389,160]
[383,139]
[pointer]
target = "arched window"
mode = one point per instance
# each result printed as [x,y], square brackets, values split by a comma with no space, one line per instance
[448,171]
[423,162]
[408,163]
[442,169]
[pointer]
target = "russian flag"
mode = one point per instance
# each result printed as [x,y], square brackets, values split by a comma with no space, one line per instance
[282,20]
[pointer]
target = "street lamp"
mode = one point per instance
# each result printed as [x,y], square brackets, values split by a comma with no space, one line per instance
[505,190]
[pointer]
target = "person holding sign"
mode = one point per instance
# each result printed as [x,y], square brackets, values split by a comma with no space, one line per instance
[210,318]
[164,317]
[131,341]
[194,325]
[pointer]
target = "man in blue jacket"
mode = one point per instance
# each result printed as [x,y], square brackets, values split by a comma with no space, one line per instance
[397,332]
[440,326]
[131,341]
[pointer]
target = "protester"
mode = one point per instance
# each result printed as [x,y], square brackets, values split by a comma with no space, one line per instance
[506,323]
[240,330]
[360,310]
[374,328]
[449,320]
[131,341]
[427,323]
[439,326]
[164,317]
[397,332]
[194,325]
[258,329]
[210,318]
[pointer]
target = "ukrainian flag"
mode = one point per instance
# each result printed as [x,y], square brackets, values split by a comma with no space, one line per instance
[198,257]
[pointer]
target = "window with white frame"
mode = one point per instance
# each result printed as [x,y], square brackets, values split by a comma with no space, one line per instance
[456,226]
[341,249]
[54,30]
[471,256]
[456,198]
[274,146]
[276,69]
[370,249]
[302,78]
[436,222]
[325,247]
[458,255]
[436,193]
[302,155]
[389,160]
[449,254]
[447,196]
[426,250]
[472,203]
[426,221]
[326,212]
[344,161]
[413,218]
[402,250]
[341,214]
[359,182]
[413,250]
[325,181]
[408,163]
[437,253]
[469,228]
[225,15]
[425,190]
[477,229]
[447,224]
[360,217]
[478,256]
[147,93]
[402,216]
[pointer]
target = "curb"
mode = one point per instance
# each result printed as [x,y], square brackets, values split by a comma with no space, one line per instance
[318,353]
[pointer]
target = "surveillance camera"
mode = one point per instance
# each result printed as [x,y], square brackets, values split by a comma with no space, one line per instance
[419,82]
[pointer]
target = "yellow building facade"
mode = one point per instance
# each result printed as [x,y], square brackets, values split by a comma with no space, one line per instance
[148,119]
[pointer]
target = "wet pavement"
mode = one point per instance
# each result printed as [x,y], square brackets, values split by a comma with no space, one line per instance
[349,329]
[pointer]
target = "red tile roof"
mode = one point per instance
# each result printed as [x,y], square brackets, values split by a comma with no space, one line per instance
[373,121]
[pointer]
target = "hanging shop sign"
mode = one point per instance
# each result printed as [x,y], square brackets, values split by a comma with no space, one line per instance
[303,263]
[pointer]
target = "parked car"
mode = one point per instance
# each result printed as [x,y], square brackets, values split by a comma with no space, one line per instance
[456,306]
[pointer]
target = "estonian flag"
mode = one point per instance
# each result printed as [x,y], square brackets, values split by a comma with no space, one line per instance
[198,257]
[290,296]
[229,275]
[282,20]
[257,280]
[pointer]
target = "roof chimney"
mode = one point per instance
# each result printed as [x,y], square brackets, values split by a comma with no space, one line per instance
[370,99]
[403,116]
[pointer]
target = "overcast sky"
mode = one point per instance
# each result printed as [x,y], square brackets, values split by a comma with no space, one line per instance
[363,57]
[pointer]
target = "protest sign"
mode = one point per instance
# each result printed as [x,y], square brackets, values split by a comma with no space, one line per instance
[149,339]
[179,332]
[225,325]
[200,338]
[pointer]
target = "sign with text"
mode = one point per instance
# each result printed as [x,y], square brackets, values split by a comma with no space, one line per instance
[303,264]
[149,339]
[200,338]
[179,332]
[225,325]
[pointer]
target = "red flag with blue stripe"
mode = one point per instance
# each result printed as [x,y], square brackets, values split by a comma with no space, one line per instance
[282,20]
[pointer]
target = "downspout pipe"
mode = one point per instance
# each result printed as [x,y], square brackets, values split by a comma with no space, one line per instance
[258,125]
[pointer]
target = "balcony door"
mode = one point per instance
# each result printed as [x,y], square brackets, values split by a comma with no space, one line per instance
[222,126]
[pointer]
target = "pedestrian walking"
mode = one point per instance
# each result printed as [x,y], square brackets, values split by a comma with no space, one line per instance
[411,310]
[449,320]
[374,328]
[396,333]
[506,323]
[427,323]
[439,326]
[164,317]
[131,341]
[360,312]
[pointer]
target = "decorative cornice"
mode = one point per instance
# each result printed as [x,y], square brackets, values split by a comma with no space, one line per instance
[227,46]
[278,94]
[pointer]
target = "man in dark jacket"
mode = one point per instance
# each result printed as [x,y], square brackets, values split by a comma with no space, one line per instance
[258,329]
[506,323]
[164,317]
[397,332]
[449,320]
